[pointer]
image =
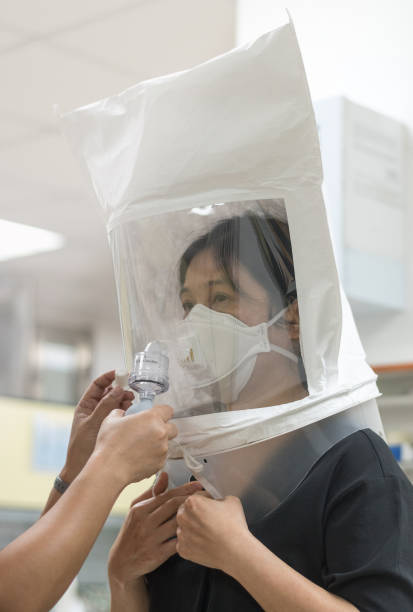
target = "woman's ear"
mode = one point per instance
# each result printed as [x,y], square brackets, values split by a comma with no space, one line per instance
[292,318]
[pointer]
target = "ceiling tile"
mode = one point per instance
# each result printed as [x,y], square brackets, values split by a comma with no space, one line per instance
[44,16]
[9,39]
[39,77]
[13,130]
[158,38]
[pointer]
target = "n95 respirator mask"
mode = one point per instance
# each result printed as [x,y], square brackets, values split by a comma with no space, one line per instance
[217,348]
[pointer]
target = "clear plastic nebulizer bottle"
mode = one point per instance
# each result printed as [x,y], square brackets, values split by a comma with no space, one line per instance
[149,376]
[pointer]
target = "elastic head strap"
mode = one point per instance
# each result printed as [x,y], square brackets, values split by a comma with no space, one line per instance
[279,349]
[284,352]
[276,317]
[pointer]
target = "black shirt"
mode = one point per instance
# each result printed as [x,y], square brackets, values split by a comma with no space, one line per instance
[348,527]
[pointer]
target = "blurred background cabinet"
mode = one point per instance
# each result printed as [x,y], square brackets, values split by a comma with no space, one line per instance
[363,156]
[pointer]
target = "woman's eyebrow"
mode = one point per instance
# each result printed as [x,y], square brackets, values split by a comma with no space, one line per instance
[212,283]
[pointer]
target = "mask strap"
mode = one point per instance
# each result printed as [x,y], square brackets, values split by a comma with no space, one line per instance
[284,352]
[276,317]
[279,349]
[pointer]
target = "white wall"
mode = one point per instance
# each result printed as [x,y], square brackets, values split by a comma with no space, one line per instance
[107,351]
[362,49]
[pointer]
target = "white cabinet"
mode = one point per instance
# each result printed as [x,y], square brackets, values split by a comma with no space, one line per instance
[363,161]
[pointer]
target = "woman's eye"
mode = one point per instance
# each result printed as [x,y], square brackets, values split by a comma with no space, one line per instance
[219,298]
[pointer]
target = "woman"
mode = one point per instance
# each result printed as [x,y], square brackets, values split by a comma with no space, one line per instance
[341,541]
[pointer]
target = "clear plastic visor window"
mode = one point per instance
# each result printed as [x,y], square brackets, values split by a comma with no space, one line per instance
[210,182]
[219,294]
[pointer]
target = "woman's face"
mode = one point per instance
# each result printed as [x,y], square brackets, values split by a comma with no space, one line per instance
[207,284]
[275,376]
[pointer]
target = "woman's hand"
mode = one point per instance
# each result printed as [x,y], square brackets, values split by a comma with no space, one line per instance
[95,405]
[211,531]
[148,536]
[215,533]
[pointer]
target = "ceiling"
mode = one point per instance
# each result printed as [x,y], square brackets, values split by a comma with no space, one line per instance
[70,54]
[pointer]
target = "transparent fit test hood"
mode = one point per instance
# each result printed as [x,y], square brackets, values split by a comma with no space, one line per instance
[210,182]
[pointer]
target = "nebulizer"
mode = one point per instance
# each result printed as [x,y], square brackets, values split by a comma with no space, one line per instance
[149,377]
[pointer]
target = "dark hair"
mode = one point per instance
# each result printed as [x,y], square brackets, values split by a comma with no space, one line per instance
[260,243]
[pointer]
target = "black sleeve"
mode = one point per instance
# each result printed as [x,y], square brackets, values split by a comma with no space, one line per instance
[369,545]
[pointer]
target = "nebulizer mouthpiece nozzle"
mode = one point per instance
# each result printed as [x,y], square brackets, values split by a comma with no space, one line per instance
[149,376]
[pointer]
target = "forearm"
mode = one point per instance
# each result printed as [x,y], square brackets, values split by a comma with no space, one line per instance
[54,496]
[275,585]
[134,598]
[68,475]
[48,556]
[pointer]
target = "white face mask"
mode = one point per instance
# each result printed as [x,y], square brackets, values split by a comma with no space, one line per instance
[219,348]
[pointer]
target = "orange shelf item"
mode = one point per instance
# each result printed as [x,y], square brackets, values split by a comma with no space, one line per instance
[394,367]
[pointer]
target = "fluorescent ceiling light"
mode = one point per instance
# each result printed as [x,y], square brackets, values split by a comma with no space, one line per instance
[18,240]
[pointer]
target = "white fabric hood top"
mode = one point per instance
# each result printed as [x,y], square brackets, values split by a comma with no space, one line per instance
[237,129]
